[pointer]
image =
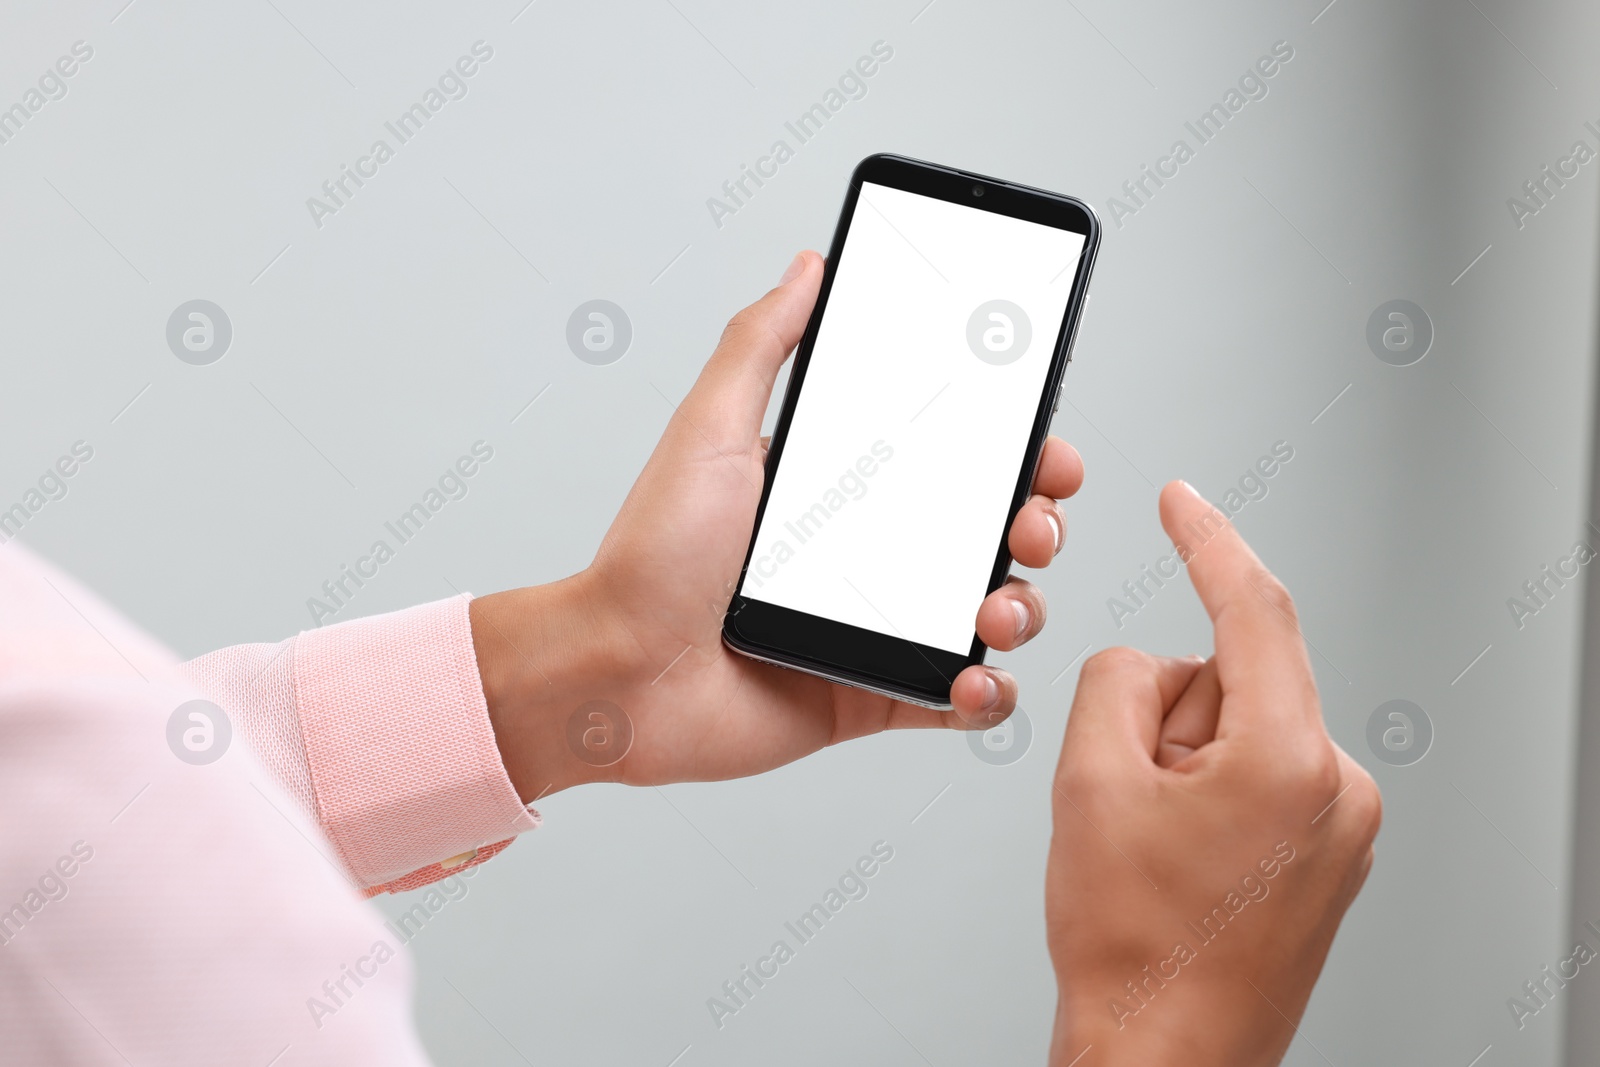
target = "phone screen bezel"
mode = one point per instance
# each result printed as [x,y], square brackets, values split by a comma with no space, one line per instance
[839,651]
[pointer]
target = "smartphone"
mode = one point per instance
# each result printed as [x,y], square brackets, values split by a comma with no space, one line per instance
[917,405]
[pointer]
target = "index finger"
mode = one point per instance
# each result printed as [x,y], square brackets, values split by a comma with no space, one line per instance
[1261,654]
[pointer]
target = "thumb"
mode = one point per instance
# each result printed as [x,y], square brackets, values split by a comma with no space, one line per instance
[730,397]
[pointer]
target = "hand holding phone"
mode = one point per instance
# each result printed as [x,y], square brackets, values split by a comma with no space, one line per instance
[641,627]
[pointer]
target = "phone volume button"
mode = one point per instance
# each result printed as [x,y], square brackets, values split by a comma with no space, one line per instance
[1077,324]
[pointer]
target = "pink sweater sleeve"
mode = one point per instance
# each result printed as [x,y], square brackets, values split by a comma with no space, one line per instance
[378,728]
[157,909]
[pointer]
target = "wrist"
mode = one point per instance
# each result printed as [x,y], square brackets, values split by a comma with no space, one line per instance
[543,651]
[1205,1030]
[1078,1030]
[1108,1045]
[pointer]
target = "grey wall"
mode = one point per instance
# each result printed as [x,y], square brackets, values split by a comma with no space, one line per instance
[1228,313]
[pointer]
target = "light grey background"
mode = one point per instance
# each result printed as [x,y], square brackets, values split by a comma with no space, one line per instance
[1227,315]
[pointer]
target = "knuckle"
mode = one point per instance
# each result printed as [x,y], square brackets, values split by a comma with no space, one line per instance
[737,328]
[1277,596]
[1306,774]
[1366,807]
[1322,774]
[1113,663]
[750,328]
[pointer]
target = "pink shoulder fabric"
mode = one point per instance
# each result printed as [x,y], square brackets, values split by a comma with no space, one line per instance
[379,729]
[157,908]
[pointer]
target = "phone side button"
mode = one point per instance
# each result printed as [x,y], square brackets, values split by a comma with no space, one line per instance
[1077,324]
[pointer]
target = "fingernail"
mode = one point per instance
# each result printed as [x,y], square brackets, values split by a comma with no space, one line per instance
[1055,529]
[991,692]
[794,270]
[1023,616]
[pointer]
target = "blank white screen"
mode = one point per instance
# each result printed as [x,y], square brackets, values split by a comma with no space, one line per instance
[891,496]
